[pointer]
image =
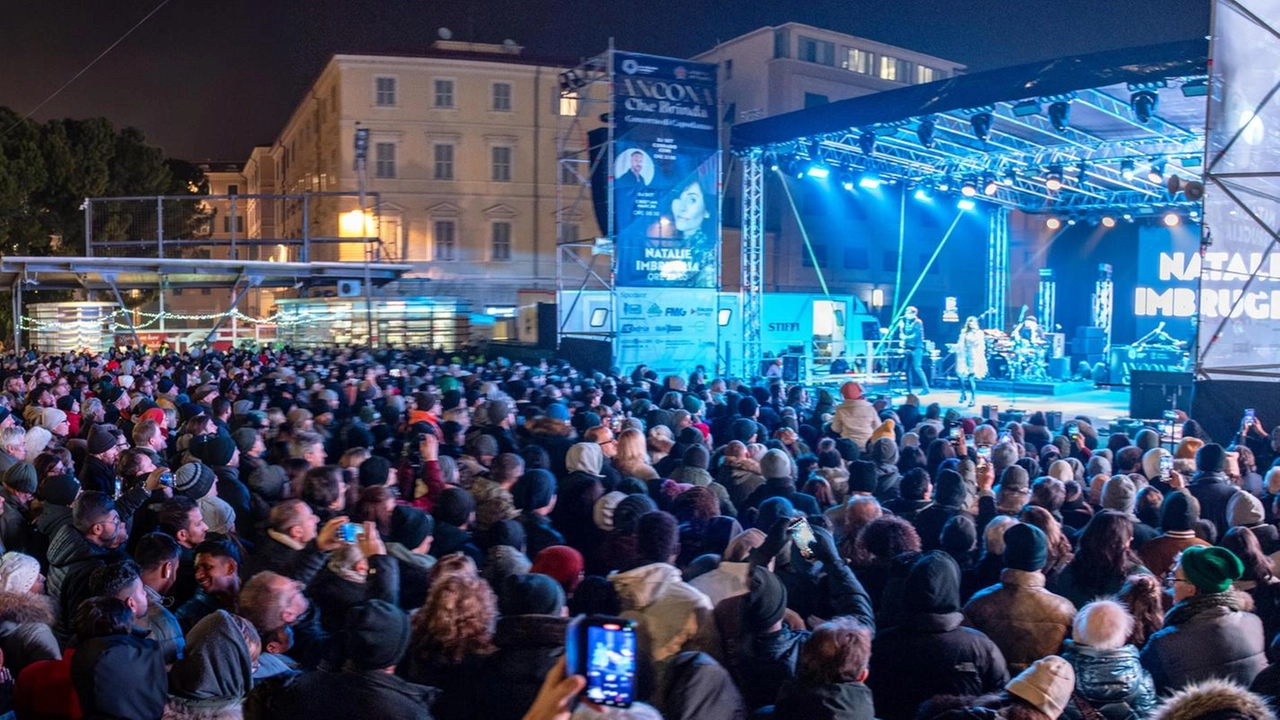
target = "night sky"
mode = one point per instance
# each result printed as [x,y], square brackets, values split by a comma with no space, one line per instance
[208,80]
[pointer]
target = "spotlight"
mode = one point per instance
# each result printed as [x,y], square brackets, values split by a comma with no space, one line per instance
[1128,217]
[1071,221]
[870,182]
[1053,223]
[923,195]
[1194,215]
[968,188]
[965,204]
[774,165]
[1156,173]
[990,187]
[945,184]
[1053,179]
[1010,177]
[924,132]
[1144,104]
[820,172]
[981,123]
[1108,221]
[867,142]
[1126,169]
[1060,115]
[1171,219]
[847,185]
[1026,108]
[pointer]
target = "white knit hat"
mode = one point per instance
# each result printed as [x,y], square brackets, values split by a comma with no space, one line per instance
[1047,685]
[18,572]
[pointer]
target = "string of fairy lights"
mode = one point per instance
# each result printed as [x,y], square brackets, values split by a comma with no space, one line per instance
[116,321]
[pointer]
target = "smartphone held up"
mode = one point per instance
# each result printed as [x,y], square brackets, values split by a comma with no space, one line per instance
[603,650]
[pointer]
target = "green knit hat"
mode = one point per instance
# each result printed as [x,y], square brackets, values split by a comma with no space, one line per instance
[1211,569]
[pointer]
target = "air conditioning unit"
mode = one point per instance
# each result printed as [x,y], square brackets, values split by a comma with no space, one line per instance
[348,288]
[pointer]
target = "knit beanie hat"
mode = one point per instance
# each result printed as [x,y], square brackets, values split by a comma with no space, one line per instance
[627,514]
[697,456]
[454,506]
[499,409]
[742,429]
[244,439]
[1025,548]
[1015,477]
[1047,685]
[562,564]
[1179,511]
[1211,458]
[59,490]
[862,476]
[1151,462]
[377,635]
[18,572]
[884,430]
[21,477]
[1243,509]
[766,601]
[602,510]
[193,480]
[51,418]
[100,440]
[410,526]
[959,534]
[64,403]
[772,509]
[534,490]
[1211,569]
[215,449]
[1119,494]
[374,471]
[482,446]
[851,391]
[775,464]
[531,594]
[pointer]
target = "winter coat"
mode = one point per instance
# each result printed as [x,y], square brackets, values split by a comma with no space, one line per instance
[15,523]
[1023,619]
[1113,682]
[72,559]
[234,493]
[450,539]
[693,686]
[1158,553]
[26,633]
[1212,699]
[766,663]
[930,521]
[1216,642]
[528,647]
[98,476]
[549,435]
[364,694]
[120,677]
[415,572]
[838,701]
[784,488]
[272,554]
[215,674]
[656,595]
[930,652]
[701,478]
[51,519]
[884,453]
[740,477]
[334,595]
[162,627]
[855,420]
[1068,587]
[1214,491]
[493,504]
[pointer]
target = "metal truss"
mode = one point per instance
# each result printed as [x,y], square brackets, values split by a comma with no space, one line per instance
[752,261]
[998,267]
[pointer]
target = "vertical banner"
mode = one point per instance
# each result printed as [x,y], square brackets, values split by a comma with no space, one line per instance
[665,170]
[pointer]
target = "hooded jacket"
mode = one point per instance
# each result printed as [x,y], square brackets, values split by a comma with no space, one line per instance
[1216,642]
[214,673]
[741,477]
[334,595]
[1113,682]
[884,453]
[855,420]
[51,519]
[837,701]
[930,652]
[1023,619]
[656,595]
[119,677]
[25,630]
[1213,698]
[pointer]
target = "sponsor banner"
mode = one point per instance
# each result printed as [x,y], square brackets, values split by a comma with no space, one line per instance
[665,170]
[671,331]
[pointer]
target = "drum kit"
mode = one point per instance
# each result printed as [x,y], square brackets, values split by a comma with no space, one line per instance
[1013,358]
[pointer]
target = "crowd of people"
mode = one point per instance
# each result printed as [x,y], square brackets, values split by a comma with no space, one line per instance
[345,533]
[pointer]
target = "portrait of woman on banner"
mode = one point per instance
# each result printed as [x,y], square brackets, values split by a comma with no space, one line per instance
[689,225]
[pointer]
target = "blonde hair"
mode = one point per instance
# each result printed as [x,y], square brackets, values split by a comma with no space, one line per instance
[632,451]
[456,621]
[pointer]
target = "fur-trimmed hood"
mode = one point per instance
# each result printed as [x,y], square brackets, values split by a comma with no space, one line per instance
[21,608]
[550,426]
[1212,697]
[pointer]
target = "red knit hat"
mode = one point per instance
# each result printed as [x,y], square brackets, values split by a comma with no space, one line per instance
[562,563]
[851,391]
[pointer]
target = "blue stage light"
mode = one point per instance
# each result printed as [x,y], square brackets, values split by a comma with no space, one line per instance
[922,194]
[870,182]
[966,204]
[819,171]
[847,185]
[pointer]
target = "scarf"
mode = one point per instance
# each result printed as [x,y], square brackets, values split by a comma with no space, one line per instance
[1196,604]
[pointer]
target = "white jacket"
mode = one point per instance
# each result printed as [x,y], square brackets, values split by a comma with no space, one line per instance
[856,420]
[664,604]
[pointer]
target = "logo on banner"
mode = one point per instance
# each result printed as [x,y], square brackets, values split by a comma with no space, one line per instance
[654,310]
[632,309]
[676,312]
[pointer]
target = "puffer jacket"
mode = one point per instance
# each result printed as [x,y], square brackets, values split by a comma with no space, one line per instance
[701,478]
[1113,682]
[837,701]
[855,420]
[1215,642]
[664,603]
[25,630]
[884,453]
[72,559]
[1023,619]
[741,477]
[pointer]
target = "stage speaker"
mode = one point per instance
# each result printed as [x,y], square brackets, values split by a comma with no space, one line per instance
[587,354]
[548,326]
[991,412]
[1153,392]
[1009,416]
[1089,341]
[1057,345]
[1060,368]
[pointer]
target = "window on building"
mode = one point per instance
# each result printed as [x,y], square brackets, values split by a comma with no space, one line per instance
[384,91]
[443,161]
[816,51]
[501,241]
[443,94]
[888,68]
[728,69]
[569,104]
[226,223]
[384,160]
[815,99]
[926,74]
[445,240]
[233,189]
[502,97]
[501,163]
[858,61]
[857,258]
[819,252]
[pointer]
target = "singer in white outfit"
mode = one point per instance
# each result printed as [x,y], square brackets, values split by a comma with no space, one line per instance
[971,359]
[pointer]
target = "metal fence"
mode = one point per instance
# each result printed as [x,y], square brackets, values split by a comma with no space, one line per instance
[322,226]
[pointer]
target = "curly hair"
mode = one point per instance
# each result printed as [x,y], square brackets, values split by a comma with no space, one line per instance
[456,621]
[883,539]
[453,565]
[697,505]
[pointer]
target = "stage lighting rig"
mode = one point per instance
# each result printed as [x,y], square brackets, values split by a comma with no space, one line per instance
[1144,104]
[1126,169]
[867,142]
[1060,115]
[1053,178]
[1156,173]
[981,124]
[969,188]
[1053,223]
[924,132]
